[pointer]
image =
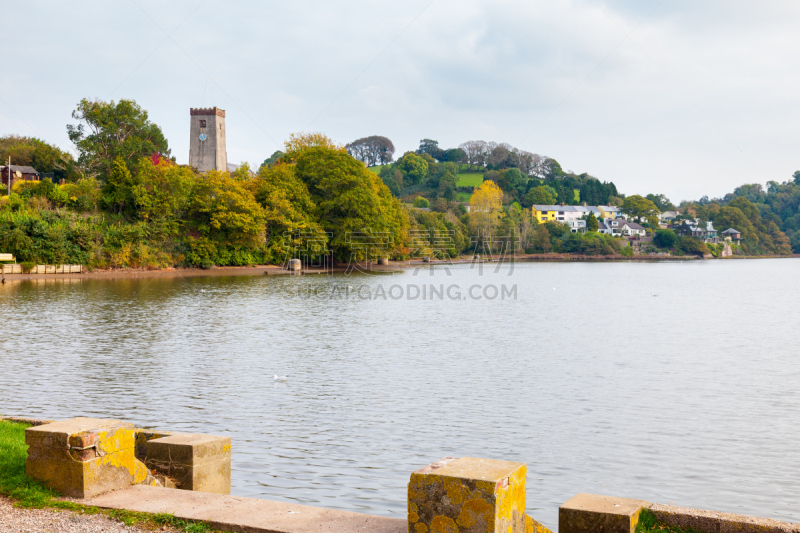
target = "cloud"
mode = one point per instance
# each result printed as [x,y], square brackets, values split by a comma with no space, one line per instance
[684,98]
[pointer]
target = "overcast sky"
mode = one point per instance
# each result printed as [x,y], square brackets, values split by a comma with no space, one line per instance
[685,98]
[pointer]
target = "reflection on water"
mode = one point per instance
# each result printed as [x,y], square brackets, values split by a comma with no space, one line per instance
[599,386]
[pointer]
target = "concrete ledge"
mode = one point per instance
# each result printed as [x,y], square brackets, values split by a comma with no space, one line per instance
[245,515]
[82,457]
[716,522]
[196,462]
[590,513]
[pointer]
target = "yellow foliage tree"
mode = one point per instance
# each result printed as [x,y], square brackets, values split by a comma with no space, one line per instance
[302,141]
[486,207]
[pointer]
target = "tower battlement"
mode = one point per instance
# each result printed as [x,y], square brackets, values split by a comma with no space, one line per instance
[207,147]
[204,111]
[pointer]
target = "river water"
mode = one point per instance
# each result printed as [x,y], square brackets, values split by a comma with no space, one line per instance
[672,382]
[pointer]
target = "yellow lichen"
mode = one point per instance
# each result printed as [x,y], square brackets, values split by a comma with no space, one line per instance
[475,511]
[421,528]
[443,524]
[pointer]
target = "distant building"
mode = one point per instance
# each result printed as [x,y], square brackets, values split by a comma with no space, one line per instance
[696,230]
[668,216]
[11,175]
[207,147]
[735,235]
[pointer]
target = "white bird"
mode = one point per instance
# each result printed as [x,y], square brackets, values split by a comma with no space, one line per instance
[554,288]
[654,294]
[279,378]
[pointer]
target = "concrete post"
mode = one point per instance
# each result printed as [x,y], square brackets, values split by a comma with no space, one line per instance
[468,494]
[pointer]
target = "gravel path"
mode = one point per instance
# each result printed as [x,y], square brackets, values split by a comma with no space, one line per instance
[15,520]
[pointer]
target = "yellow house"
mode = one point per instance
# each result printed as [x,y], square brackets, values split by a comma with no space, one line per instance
[609,211]
[546,213]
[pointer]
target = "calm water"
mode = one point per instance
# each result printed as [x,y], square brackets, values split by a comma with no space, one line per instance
[689,397]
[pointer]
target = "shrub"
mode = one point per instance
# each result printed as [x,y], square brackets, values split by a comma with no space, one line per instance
[665,238]
[421,202]
[27,266]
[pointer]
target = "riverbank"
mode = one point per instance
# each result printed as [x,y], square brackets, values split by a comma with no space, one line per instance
[395,266]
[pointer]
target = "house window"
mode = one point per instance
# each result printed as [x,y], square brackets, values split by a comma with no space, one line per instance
[202,123]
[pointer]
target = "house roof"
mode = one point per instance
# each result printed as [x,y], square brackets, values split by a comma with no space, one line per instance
[731,230]
[633,225]
[21,168]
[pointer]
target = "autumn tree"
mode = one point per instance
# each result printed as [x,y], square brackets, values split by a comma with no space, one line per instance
[486,208]
[108,130]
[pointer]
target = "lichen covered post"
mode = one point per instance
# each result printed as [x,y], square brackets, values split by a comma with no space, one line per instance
[469,495]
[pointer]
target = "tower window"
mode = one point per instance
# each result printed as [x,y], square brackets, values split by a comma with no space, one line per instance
[202,123]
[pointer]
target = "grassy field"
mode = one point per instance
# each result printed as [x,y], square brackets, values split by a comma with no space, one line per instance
[463,197]
[32,494]
[470,179]
[375,169]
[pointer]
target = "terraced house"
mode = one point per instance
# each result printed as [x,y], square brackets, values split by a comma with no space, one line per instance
[572,215]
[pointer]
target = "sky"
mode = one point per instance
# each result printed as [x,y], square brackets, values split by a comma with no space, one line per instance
[676,97]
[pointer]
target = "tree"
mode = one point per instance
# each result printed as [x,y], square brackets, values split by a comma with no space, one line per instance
[661,202]
[592,225]
[44,157]
[271,160]
[413,167]
[487,204]
[552,169]
[107,131]
[160,193]
[475,153]
[796,177]
[665,238]
[224,210]
[289,212]
[350,201]
[454,155]
[541,195]
[118,188]
[299,142]
[372,151]
[690,245]
[640,209]
[421,202]
[431,147]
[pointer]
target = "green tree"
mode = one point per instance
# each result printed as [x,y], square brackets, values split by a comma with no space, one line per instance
[641,209]
[161,193]
[289,212]
[271,160]
[44,157]
[541,195]
[413,167]
[224,210]
[592,225]
[421,202]
[661,202]
[107,131]
[350,200]
[118,187]
[665,238]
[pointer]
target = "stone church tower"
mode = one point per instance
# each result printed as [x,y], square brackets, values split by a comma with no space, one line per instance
[207,149]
